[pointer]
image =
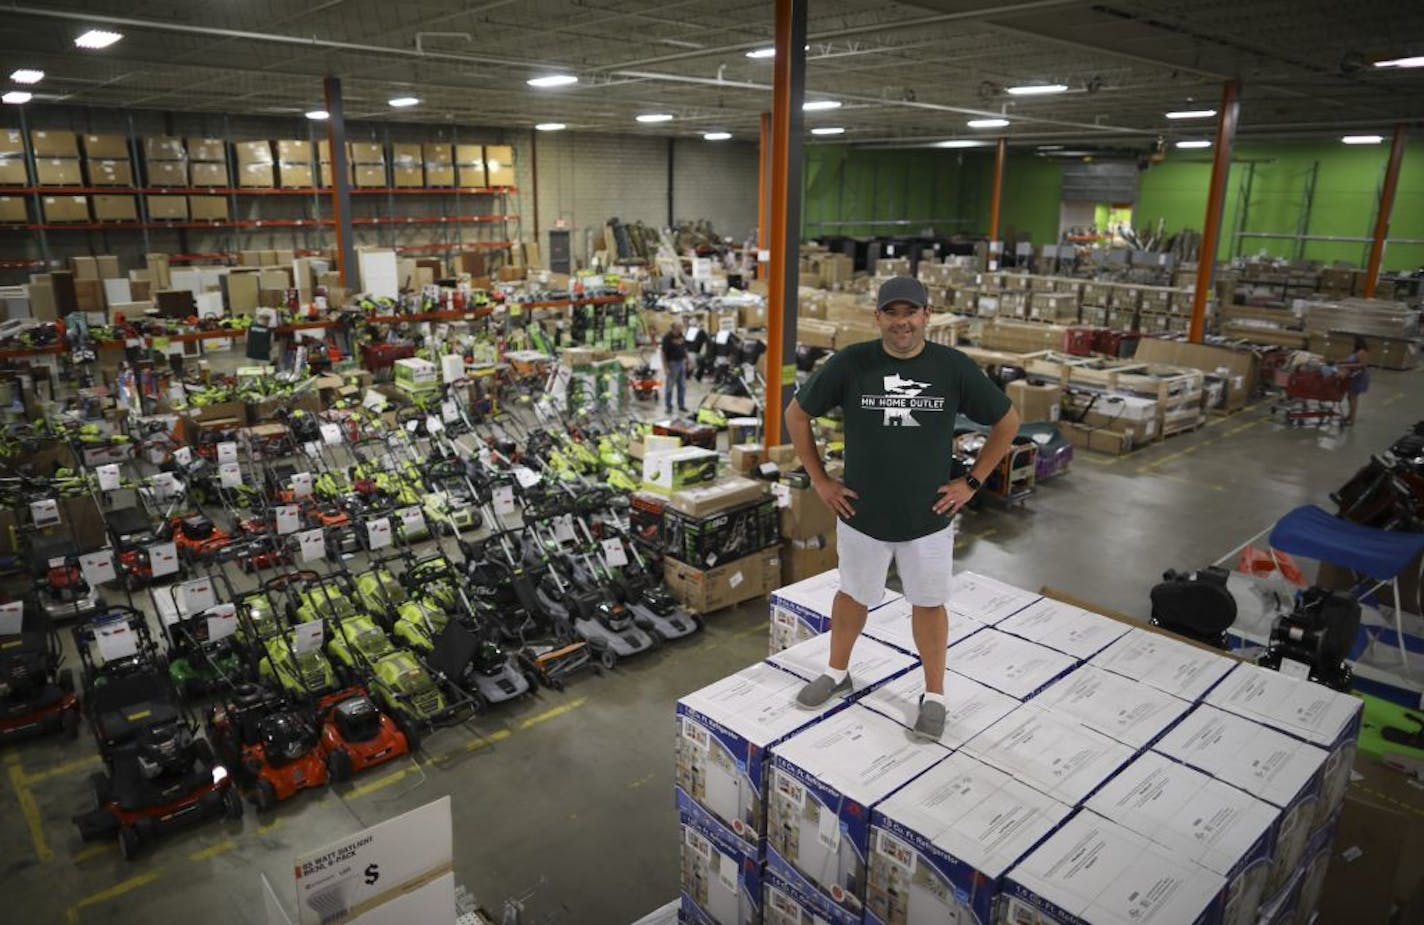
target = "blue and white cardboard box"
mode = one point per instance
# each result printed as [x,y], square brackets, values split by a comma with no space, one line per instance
[969,707]
[1305,710]
[1197,818]
[1134,714]
[724,732]
[1167,664]
[1271,765]
[1050,752]
[802,610]
[1314,867]
[941,844]
[986,600]
[871,663]
[891,624]
[1009,664]
[1095,872]
[1281,909]
[825,782]
[1065,628]
[786,904]
[721,874]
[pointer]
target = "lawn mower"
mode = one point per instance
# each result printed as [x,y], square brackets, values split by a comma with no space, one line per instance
[198,661]
[36,694]
[379,591]
[272,748]
[60,588]
[275,659]
[115,644]
[132,532]
[653,607]
[644,383]
[198,539]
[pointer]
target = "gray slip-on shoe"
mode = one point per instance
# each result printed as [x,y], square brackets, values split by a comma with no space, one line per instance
[820,690]
[929,725]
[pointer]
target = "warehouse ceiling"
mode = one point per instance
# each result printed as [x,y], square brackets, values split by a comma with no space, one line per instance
[906,73]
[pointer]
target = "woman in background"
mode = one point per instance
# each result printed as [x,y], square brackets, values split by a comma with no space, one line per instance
[1357,367]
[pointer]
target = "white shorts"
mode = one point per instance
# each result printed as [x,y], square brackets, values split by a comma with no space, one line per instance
[924,564]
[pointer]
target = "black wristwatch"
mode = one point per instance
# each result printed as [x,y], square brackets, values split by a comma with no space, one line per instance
[972,482]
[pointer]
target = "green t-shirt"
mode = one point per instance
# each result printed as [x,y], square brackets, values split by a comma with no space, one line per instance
[899,429]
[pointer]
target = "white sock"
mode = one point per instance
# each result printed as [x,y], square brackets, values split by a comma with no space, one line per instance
[934,698]
[837,674]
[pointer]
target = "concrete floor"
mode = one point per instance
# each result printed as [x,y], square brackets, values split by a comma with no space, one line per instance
[567,798]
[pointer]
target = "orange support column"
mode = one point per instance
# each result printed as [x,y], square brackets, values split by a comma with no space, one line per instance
[994,199]
[1386,206]
[1215,204]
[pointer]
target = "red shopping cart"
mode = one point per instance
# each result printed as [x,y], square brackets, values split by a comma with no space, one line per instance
[1315,394]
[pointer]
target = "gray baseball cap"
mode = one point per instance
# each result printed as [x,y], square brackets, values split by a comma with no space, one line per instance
[901,289]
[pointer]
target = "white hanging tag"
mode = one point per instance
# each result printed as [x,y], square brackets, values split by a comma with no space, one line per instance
[98,567]
[162,558]
[44,513]
[378,533]
[526,477]
[222,622]
[433,425]
[288,518]
[115,641]
[412,519]
[12,618]
[373,400]
[449,412]
[108,477]
[504,501]
[331,433]
[308,637]
[165,485]
[564,528]
[301,484]
[227,452]
[782,493]
[313,544]
[183,455]
[229,475]
[614,554]
[197,595]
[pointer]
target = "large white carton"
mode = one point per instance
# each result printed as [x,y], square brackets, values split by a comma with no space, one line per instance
[1313,869]
[785,904]
[1271,765]
[1303,709]
[1095,872]
[940,844]
[1167,664]
[1009,664]
[825,782]
[892,624]
[802,610]
[969,707]
[724,731]
[986,600]
[1068,629]
[1200,819]
[721,874]
[871,663]
[1049,752]
[1132,713]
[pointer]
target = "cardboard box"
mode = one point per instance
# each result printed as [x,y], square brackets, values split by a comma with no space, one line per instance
[208,208]
[53,144]
[805,558]
[163,148]
[415,375]
[12,171]
[1035,403]
[1047,751]
[683,468]
[109,172]
[439,175]
[941,845]
[1166,663]
[13,209]
[1128,879]
[253,152]
[470,154]
[499,165]
[370,176]
[723,536]
[106,147]
[802,610]
[89,295]
[207,149]
[724,494]
[294,151]
[1009,664]
[12,143]
[873,665]
[294,176]
[824,781]
[721,874]
[158,271]
[722,763]
[986,600]
[1130,712]
[471,176]
[54,171]
[783,902]
[434,153]
[256,175]
[208,174]
[115,209]
[84,267]
[241,291]
[703,591]
[367,152]
[168,208]
[803,513]
[412,175]
[65,208]
[166,173]
[1065,628]
[745,457]
[108,265]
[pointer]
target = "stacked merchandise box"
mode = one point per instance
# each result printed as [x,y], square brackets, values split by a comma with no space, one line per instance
[1009,664]
[107,160]
[294,164]
[407,166]
[499,165]
[892,624]
[710,539]
[808,530]
[165,162]
[720,536]
[13,209]
[112,208]
[1065,628]
[207,162]
[368,165]
[439,165]
[324,169]
[470,166]
[986,600]
[871,664]
[1123,709]
[12,158]
[56,157]
[255,168]
[62,209]
[803,610]
[1178,668]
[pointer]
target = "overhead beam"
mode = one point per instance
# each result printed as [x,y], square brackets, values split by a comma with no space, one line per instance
[1386,207]
[1226,118]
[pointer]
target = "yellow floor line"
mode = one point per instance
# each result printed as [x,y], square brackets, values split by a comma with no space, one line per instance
[264,829]
[554,713]
[69,767]
[28,807]
[213,851]
[89,852]
[474,745]
[377,784]
[750,631]
[112,892]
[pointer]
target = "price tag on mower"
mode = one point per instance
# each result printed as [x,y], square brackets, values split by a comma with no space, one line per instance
[227,452]
[526,477]
[313,544]
[165,486]
[197,595]
[433,425]
[183,455]
[115,641]
[162,558]
[288,518]
[302,485]
[222,622]
[373,400]
[412,520]
[12,618]
[614,554]
[108,477]
[504,501]
[98,567]
[331,433]
[44,513]
[782,494]
[448,412]
[564,528]
[378,532]
[229,475]
[307,637]
[312,448]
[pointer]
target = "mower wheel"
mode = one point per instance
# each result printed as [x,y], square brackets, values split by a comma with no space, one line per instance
[266,797]
[70,724]
[203,750]
[608,659]
[65,680]
[411,733]
[232,802]
[99,783]
[532,677]
[128,842]
[479,703]
[338,765]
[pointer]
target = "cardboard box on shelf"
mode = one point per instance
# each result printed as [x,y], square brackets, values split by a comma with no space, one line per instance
[367,152]
[295,151]
[84,267]
[294,175]
[12,171]
[253,152]
[163,148]
[470,154]
[256,175]
[471,175]
[706,590]
[116,209]
[12,143]
[408,174]
[167,208]
[158,271]
[53,144]
[405,155]
[13,209]
[65,208]
[208,174]
[439,174]
[106,147]
[370,176]
[109,172]
[241,291]
[57,171]
[166,173]
[437,153]
[499,165]
[208,208]
[207,149]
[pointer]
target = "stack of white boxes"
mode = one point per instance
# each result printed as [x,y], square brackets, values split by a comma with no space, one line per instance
[1090,772]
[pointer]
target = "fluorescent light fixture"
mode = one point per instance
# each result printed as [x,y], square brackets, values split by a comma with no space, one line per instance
[1195,143]
[550,127]
[767,52]
[958,143]
[16,96]
[1192,114]
[987,123]
[820,105]
[552,80]
[403,102]
[1362,139]
[26,75]
[1050,147]
[1416,61]
[828,130]
[98,38]
[649,117]
[1037,89]
[716,136]
[318,115]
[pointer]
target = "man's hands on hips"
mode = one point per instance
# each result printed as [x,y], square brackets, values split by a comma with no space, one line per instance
[837,497]
[953,496]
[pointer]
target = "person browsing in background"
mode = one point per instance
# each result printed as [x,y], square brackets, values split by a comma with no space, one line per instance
[674,350]
[1357,367]
[900,396]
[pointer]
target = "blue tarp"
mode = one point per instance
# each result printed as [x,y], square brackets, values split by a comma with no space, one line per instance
[1311,532]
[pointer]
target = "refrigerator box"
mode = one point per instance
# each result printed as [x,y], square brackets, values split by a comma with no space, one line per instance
[1200,819]
[1170,665]
[724,733]
[1271,765]
[1064,627]
[825,782]
[941,845]
[1050,753]
[1095,872]
[1007,663]
[892,624]
[803,610]
[786,904]
[871,663]
[986,600]
[1130,712]
[969,707]
[720,874]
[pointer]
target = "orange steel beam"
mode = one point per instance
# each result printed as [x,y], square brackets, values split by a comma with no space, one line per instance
[1386,206]
[998,188]
[763,154]
[1215,203]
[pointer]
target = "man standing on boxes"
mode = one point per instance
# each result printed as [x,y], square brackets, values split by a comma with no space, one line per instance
[900,396]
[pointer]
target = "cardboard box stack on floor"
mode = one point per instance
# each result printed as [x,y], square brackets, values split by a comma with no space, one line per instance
[1090,772]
